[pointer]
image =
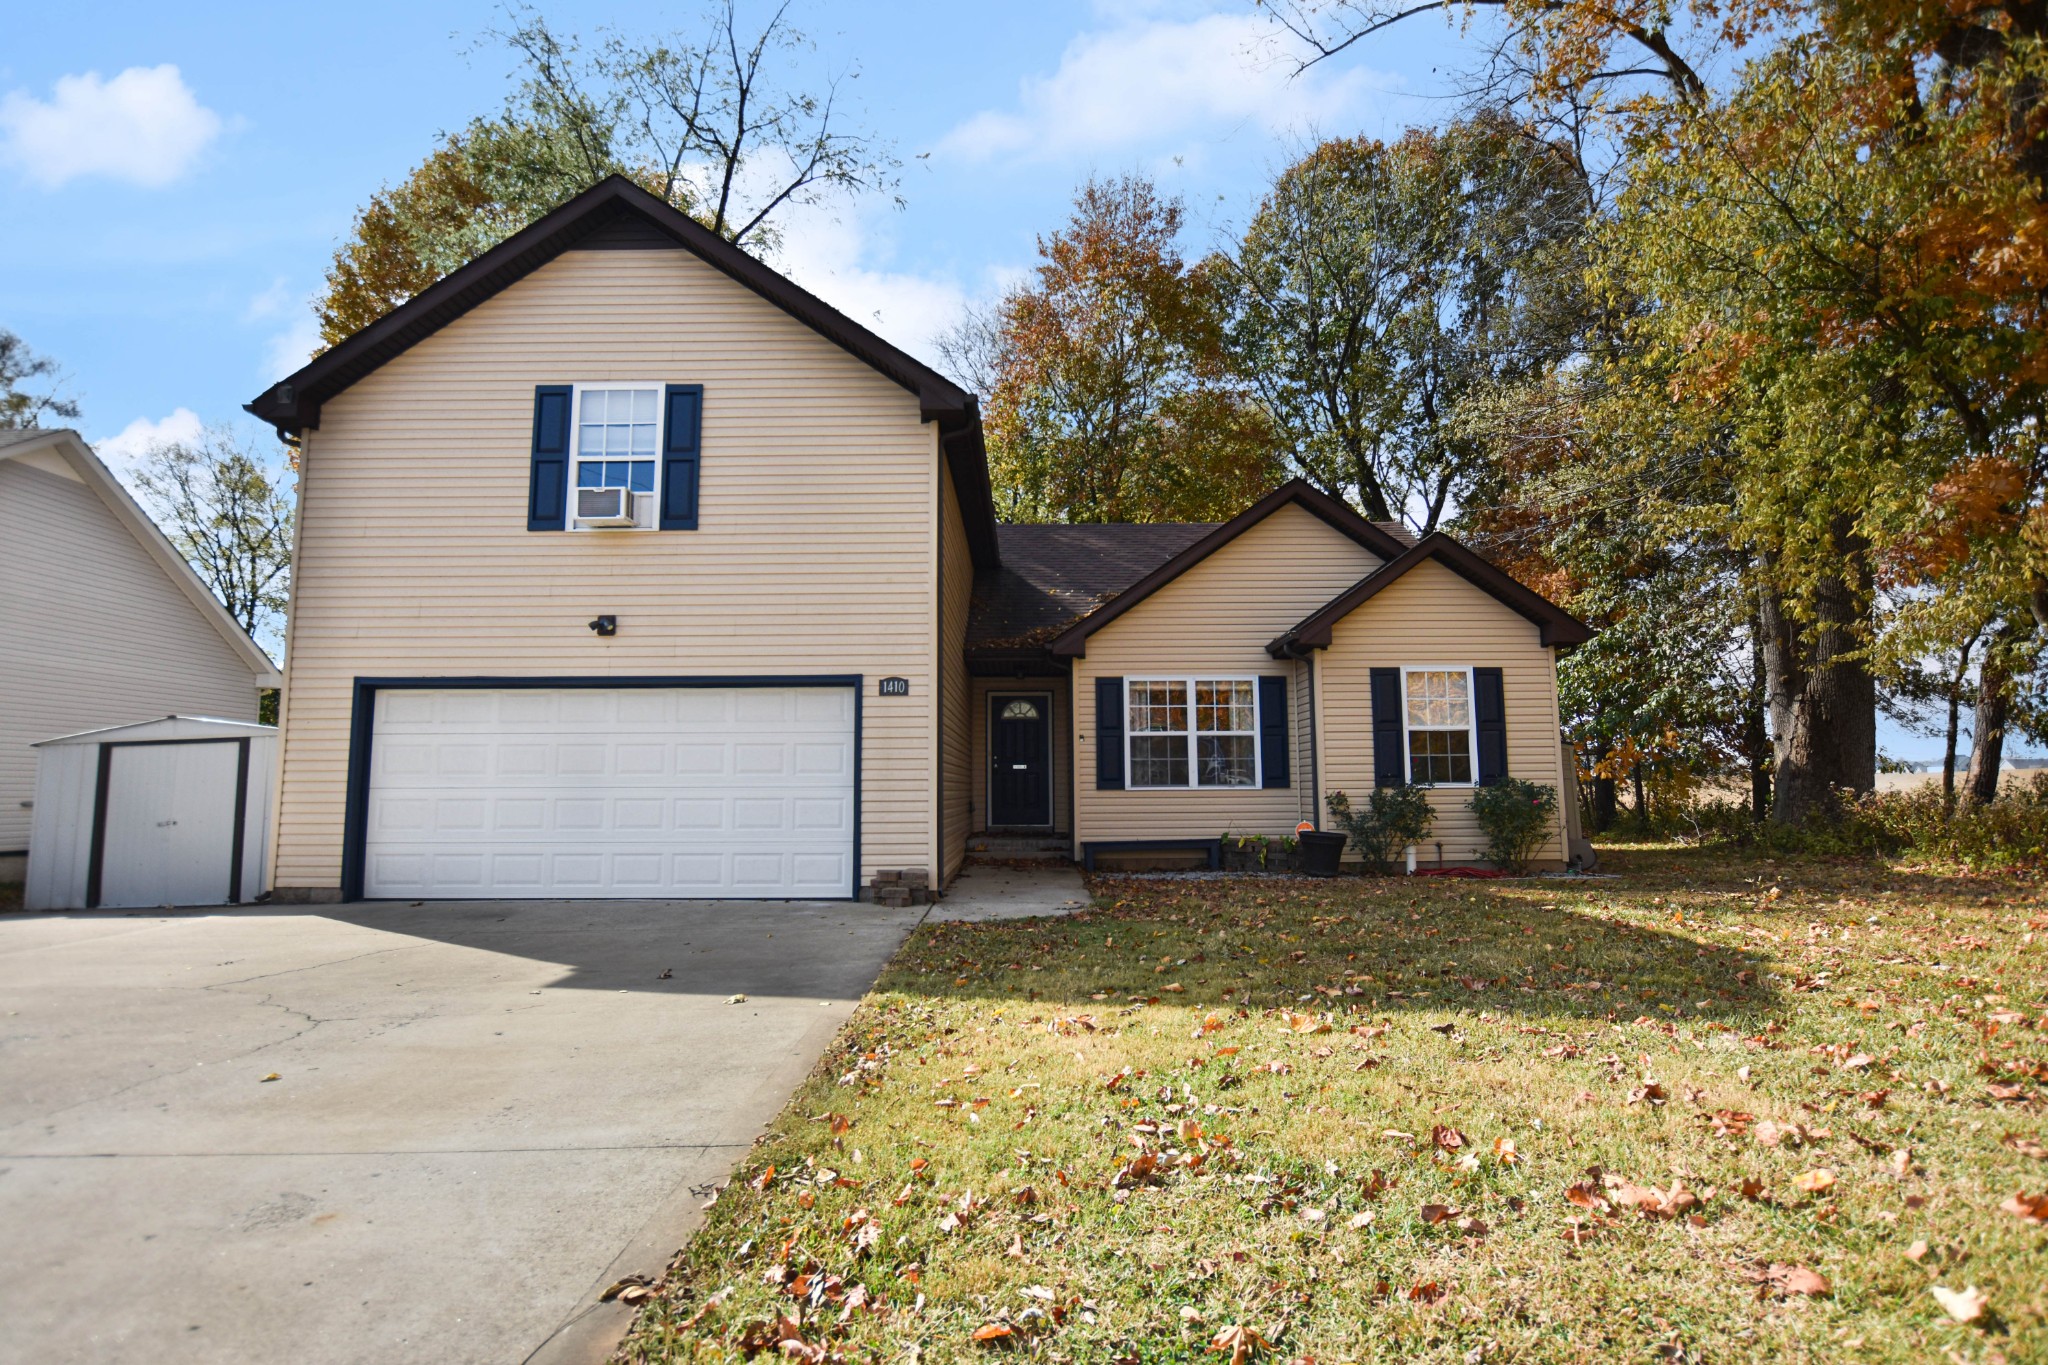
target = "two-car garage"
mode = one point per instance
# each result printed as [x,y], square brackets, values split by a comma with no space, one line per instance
[606,788]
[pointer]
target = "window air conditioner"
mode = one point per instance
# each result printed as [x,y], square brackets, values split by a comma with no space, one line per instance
[604,507]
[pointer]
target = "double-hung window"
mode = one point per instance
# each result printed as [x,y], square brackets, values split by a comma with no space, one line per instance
[1438,719]
[1192,732]
[617,461]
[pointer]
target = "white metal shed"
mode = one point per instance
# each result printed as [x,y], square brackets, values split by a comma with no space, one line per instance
[164,812]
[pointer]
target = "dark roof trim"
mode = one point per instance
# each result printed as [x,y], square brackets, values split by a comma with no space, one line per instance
[1074,643]
[292,405]
[1555,625]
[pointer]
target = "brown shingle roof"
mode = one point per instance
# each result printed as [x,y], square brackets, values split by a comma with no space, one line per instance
[1052,576]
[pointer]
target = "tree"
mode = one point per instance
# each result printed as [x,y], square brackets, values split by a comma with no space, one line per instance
[21,406]
[1378,287]
[228,510]
[1109,398]
[715,126]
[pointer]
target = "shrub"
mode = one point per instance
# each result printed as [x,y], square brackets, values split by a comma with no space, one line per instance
[1393,818]
[1516,817]
[2010,832]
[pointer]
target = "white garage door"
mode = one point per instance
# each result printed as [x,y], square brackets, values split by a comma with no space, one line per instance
[656,792]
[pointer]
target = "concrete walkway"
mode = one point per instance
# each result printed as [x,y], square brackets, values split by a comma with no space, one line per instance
[1020,890]
[482,1115]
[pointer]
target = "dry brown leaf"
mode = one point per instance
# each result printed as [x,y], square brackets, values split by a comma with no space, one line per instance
[1918,1250]
[2026,1146]
[1240,1342]
[2032,1208]
[990,1333]
[1446,1137]
[1433,1214]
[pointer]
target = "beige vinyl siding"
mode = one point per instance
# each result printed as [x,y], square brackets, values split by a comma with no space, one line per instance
[815,553]
[1432,617]
[92,631]
[956,592]
[1062,745]
[1216,618]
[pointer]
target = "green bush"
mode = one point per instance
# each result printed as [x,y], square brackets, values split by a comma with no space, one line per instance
[1516,817]
[1393,818]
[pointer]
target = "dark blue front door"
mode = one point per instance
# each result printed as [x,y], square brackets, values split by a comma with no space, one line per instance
[1020,759]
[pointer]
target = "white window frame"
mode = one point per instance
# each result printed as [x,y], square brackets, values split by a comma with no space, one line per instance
[1192,733]
[1471,730]
[576,446]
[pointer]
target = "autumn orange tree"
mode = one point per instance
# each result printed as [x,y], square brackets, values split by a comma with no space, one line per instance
[1109,395]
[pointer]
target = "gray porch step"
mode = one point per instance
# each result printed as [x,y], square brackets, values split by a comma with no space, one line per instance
[1038,847]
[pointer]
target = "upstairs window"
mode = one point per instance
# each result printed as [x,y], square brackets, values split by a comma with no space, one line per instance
[1438,714]
[618,439]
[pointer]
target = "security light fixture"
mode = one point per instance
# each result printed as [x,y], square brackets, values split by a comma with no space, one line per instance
[606,625]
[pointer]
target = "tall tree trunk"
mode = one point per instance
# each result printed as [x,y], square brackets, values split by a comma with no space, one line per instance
[1756,731]
[1823,704]
[1642,801]
[1994,708]
[1606,802]
[1955,706]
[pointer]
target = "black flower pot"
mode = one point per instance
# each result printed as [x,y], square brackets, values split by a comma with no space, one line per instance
[1321,851]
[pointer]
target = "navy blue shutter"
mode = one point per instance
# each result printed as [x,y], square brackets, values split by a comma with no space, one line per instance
[1389,764]
[1273,745]
[1109,734]
[1490,712]
[682,424]
[547,495]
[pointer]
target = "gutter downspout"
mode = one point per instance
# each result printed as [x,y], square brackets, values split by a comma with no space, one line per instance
[1306,659]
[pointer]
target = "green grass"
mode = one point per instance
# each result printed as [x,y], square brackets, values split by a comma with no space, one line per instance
[964,1157]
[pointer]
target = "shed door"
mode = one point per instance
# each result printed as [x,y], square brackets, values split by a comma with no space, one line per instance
[739,792]
[170,832]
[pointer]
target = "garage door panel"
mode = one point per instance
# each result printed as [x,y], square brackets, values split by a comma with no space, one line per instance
[612,792]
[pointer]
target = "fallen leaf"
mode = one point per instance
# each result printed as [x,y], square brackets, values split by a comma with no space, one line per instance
[1433,1214]
[2031,1208]
[1427,1292]
[1796,1279]
[1241,1342]
[1918,1250]
[1505,1153]
[1359,1220]
[736,999]
[273,1076]
[993,1332]
[1964,1305]
[2026,1146]
[1446,1137]
[1817,1181]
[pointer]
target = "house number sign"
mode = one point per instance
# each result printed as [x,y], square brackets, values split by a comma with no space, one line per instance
[895,687]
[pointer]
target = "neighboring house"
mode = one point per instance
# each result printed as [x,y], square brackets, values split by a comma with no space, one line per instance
[104,621]
[626,567]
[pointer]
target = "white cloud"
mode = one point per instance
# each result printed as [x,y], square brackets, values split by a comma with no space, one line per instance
[270,303]
[1149,80]
[121,452]
[144,126]
[834,256]
[289,349]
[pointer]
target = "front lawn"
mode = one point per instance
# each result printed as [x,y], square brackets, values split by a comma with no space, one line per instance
[1708,1110]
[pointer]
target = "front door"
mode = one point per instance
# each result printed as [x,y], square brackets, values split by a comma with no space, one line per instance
[1020,759]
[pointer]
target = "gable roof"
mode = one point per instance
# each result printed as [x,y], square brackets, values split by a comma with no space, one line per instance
[1554,624]
[616,214]
[66,445]
[1073,643]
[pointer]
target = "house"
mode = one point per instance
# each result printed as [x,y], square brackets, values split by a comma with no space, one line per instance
[626,567]
[104,621]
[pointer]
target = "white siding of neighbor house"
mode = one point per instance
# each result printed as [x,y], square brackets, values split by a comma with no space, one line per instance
[1431,616]
[92,631]
[816,553]
[1217,618]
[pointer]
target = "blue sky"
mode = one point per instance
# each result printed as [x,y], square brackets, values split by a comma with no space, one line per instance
[177,177]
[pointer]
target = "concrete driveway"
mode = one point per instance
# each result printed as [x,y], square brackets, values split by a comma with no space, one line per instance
[484,1113]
